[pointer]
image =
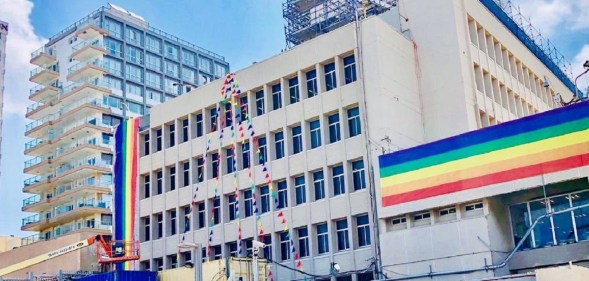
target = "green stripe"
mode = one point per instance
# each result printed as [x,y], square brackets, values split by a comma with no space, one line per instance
[487,147]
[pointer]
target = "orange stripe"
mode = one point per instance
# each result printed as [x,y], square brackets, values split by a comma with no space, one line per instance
[490,168]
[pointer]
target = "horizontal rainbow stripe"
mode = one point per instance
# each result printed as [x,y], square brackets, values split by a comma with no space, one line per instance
[548,142]
[125,178]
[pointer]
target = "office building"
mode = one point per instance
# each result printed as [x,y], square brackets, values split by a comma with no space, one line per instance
[107,66]
[322,112]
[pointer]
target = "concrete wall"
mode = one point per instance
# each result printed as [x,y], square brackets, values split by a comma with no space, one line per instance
[569,273]
[8,243]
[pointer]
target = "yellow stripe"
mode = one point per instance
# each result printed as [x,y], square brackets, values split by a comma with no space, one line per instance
[482,159]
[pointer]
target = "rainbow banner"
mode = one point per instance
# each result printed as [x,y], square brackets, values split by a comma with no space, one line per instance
[544,143]
[125,177]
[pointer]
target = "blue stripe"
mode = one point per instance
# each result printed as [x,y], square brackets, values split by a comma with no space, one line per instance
[511,128]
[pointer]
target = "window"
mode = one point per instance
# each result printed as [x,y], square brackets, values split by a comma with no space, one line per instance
[189,75]
[146,229]
[171,86]
[293,90]
[248,202]
[146,186]
[282,195]
[262,147]
[134,55]
[172,173]
[153,95]
[330,81]
[185,130]
[268,249]
[153,44]
[334,128]
[215,165]
[186,218]
[172,51]
[245,155]
[213,112]
[322,238]
[172,69]
[265,198]
[363,226]
[319,185]
[474,206]
[243,108]
[172,135]
[146,144]
[159,185]
[232,207]
[160,225]
[134,73]
[228,114]
[249,247]
[158,140]
[204,64]
[311,83]
[447,211]
[186,173]
[349,69]
[199,125]
[159,263]
[339,186]
[135,107]
[421,218]
[114,28]
[230,161]
[341,228]
[217,254]
[113,47]
[315,131]
[134,89]
[300,194]
[354,122]
[232,246]
[201,215]
[114,66]
[260,108]
[200,167]
[358,175]
[216,209]
[220,70]
[153,80]
[303,235]
[284,246]
[279,144]
[172,214]
[188,58]
[153,62]
[276,97]
[297,140]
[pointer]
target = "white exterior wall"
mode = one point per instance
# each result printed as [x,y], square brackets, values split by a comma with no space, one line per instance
[391,97]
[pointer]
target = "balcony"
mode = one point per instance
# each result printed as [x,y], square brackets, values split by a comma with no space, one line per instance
[62,230]
[30,201]
[38,165]
[86,70]
[40,109]
[44,92]
[65,214]
[30,221]
[36,184]
[90,30]
[88,50]
[44,75]
[37,128]
[94,88]
[33,147]
[43,56]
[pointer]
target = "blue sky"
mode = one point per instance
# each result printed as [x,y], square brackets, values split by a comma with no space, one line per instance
[242,31]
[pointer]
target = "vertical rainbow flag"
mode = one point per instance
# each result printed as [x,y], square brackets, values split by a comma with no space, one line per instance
[539,144]
[125,177]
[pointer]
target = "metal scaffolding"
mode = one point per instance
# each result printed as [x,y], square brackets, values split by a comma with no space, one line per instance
[306,19]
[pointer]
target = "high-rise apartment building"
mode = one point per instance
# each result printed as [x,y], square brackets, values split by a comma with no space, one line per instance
[3,34]
[321,113]
[107,66]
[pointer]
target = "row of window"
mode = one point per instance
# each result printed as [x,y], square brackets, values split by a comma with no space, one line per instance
[313,182]
[155,45]
[444,214]
[345,235]
[316,137]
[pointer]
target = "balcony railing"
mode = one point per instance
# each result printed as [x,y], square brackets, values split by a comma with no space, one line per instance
[30,219]
[34,180]
[31,200]
[40,69]
[80,65]
[32,162]
[63,150]
[78,184]
[38,88]
[91,161]
[41,50]
[95,42]
[81,204]
[34,143]
[40,122]
[31,239]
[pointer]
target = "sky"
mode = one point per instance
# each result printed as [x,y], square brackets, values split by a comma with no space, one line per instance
[242,31]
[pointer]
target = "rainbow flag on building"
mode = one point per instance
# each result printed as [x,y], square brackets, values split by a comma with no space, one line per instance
[125,178]
[544,143]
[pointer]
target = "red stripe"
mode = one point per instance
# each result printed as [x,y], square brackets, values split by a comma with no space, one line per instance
[505,176]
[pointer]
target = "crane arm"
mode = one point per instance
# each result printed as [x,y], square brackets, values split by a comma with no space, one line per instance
[47,256]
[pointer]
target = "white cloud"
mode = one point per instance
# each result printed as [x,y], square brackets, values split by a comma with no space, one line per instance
[577,64]
[549,16]
[21,42]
